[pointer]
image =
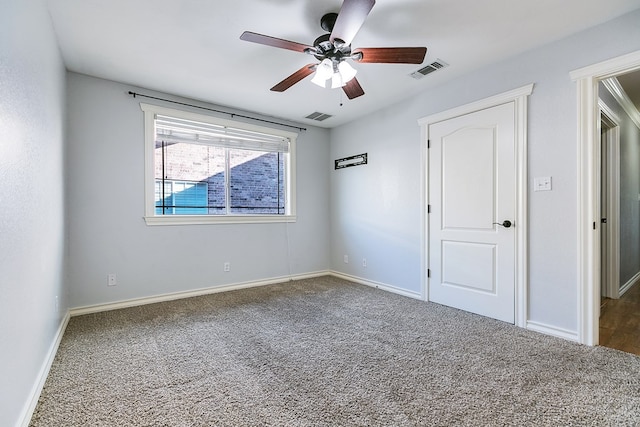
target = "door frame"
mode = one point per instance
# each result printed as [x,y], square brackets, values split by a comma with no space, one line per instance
[611,245]
[519,97]
[588,274]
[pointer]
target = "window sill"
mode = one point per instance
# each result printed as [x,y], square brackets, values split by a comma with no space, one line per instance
[222,219]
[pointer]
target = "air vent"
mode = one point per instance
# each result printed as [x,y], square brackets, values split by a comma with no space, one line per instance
[318,116]
[434,66]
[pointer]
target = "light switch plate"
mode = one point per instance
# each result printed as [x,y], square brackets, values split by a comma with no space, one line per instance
[542,183]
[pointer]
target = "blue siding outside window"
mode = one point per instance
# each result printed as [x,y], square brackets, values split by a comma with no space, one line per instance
[181,198]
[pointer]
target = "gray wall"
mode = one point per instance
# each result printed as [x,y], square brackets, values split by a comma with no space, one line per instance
[629,189]
[32,97]
[376,208]
[107,233]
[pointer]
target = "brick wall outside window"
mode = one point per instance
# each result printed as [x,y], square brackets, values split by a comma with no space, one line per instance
[253,176]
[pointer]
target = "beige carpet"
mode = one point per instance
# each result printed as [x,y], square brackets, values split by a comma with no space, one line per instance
[326,352]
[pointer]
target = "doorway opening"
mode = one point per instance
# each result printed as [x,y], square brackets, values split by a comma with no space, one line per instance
[590,240]
[609,203]
[620,235]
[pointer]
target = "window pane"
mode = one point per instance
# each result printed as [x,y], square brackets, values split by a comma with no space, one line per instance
[256,182]
[164,200]
[198,175]
[190,198]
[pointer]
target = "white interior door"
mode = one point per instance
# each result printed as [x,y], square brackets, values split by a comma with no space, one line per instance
[472,190]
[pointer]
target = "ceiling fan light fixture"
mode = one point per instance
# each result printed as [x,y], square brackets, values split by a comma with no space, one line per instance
[319,81]
[337,81]
[324,71]
[334,47]
[346,71]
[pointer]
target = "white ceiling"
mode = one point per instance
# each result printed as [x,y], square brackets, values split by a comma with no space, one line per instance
[192,48]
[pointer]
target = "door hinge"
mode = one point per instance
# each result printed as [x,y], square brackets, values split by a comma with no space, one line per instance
[428,143]
[428,209]
[428,272]
[594,225]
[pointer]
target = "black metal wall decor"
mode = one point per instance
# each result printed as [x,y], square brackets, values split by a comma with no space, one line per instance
[357,160]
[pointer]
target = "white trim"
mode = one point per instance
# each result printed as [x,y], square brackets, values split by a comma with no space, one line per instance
[424,217]
[36,390]
[588,267]
[608,68]
[612,245]
[615,89]
[635,279]
[134,302]
[522,209]
[377,285]
[552,330]
[519,97]
[482,104]
[588,242]
[217,219]
[611,115]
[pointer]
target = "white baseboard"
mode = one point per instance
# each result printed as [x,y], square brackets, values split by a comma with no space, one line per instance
[97,308]
[36,390]
[624,288]
[553,331]
[378,285]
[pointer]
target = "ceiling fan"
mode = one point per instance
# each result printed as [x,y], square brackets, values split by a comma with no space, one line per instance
[334,48]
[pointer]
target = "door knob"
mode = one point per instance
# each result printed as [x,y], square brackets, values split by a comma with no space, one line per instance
[506,223]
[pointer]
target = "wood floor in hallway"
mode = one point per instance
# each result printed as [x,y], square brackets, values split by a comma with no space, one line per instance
[620,322]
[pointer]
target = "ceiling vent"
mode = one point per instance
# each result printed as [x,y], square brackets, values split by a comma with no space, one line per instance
[434,66]
[318,116]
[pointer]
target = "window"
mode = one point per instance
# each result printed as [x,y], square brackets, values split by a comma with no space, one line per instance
[202,169]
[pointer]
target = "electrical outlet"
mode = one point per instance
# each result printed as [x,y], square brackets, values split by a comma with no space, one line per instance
[364,262]
[111,279]
[227,266]
[346,259]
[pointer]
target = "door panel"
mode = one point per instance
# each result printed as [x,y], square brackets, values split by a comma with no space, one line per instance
[468,203]
[456,256]
[472,188]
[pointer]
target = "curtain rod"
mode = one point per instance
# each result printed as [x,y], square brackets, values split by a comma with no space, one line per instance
[134,94]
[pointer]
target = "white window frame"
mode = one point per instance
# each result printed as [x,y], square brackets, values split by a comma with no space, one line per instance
[150,217]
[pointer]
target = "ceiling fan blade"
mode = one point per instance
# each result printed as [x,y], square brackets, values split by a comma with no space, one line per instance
[273,41]
[294,78]
[353,89]
[350,19]
[392,55]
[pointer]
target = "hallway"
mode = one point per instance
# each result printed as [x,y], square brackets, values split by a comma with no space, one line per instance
[620,322]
